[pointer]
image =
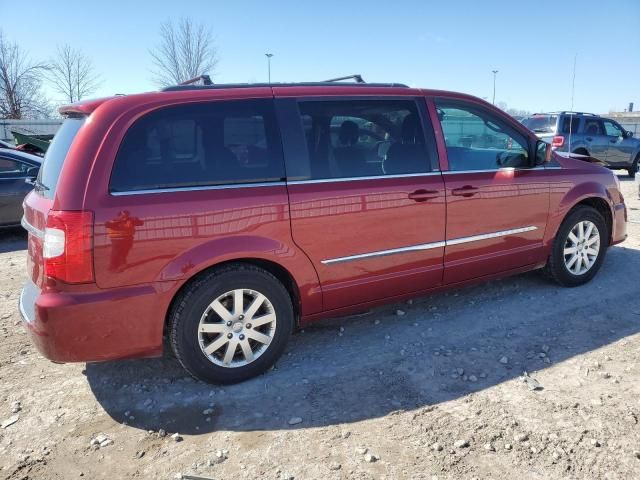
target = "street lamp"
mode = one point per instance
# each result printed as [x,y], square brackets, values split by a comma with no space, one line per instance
[269,55]
[495,72]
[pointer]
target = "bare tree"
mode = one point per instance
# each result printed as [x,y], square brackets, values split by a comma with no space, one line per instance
[185,51]
[20,83]
[73,75]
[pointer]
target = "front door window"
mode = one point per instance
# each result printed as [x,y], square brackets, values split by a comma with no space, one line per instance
[477,140]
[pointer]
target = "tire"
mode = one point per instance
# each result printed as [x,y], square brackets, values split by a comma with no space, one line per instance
[196,322]
[564,272]
[634,167]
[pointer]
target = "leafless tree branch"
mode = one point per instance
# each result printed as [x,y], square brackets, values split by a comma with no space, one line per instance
[20,83]
[185,51]
[73,75]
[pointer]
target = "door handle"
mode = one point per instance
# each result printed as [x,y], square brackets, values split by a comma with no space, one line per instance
[466,191]
[423,195]
[588,139]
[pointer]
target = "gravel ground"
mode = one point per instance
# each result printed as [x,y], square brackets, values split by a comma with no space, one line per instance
[432,388]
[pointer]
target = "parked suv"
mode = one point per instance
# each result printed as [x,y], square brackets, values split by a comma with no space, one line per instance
[588,134]
[224,217]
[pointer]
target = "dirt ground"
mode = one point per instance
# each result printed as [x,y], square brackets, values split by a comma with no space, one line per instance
[435,392]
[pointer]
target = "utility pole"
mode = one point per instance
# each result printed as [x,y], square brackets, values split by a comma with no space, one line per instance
[269,55]
[495,72]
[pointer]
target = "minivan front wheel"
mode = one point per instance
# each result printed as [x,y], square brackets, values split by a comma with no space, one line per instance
[231,324]
[579,247]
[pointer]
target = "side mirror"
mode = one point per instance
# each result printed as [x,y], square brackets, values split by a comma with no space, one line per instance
[628,134]
[32,172]
[543,152]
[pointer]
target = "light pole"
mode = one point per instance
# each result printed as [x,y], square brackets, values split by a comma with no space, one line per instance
[269,55]
[495,72]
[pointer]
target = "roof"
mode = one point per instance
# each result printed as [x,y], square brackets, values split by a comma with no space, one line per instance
[181,93]
[18,155]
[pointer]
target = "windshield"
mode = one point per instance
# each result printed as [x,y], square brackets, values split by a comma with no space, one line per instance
[56,153]
[541,123]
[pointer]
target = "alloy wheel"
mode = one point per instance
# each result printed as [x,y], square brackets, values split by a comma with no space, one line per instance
[237,328]
[582,247]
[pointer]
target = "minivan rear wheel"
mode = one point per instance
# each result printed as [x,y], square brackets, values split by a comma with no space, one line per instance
[231,323]
[579,247]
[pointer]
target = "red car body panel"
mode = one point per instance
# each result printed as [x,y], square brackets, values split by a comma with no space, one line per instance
[146,247]
[352,218]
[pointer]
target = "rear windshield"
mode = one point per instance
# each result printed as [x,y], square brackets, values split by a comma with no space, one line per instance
[56,153]
[541,123]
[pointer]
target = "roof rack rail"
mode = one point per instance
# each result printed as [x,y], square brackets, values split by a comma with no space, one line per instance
[567,112]
[357,77]
[206,80]
[221,86]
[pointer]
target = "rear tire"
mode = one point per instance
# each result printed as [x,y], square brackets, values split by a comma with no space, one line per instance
[579,247]
[231,324]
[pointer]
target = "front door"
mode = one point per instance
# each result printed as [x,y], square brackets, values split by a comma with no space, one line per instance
[13,189]
[366,199]
[620,147]
[497,205]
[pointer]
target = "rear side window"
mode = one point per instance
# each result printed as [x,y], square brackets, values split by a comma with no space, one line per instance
[55,156]
[541,123]
[365,138]
[593,126]
[204,144]
[570,124]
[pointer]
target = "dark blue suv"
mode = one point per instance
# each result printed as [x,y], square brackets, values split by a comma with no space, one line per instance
[588,134]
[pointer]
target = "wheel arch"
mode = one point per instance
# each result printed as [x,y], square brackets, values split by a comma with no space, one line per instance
[581,150]
[281,273]
[593,195]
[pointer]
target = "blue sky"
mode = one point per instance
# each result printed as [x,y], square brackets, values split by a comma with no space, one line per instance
[451,45]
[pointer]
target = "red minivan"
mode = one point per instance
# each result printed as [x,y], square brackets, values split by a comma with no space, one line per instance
[225,216]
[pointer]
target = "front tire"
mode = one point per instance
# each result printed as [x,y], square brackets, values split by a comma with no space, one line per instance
[634,167]
[579,247]
[231,324]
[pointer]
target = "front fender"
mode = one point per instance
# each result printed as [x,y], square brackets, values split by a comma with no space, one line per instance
[247,247]
[564,199]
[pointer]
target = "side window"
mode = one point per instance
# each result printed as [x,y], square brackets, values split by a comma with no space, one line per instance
[366,138]
[593,126]
[204,144]
[570,124]
[477,140]
[612,129]
[10,168]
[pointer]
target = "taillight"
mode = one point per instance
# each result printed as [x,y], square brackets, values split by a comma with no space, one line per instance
[558,141]
[68,246]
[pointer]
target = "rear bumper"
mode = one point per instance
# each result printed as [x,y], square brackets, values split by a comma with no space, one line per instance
[95,325]
[619,233]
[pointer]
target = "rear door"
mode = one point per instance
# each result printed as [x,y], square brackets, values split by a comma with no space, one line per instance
[497,205]
[596,138]
[366,196]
